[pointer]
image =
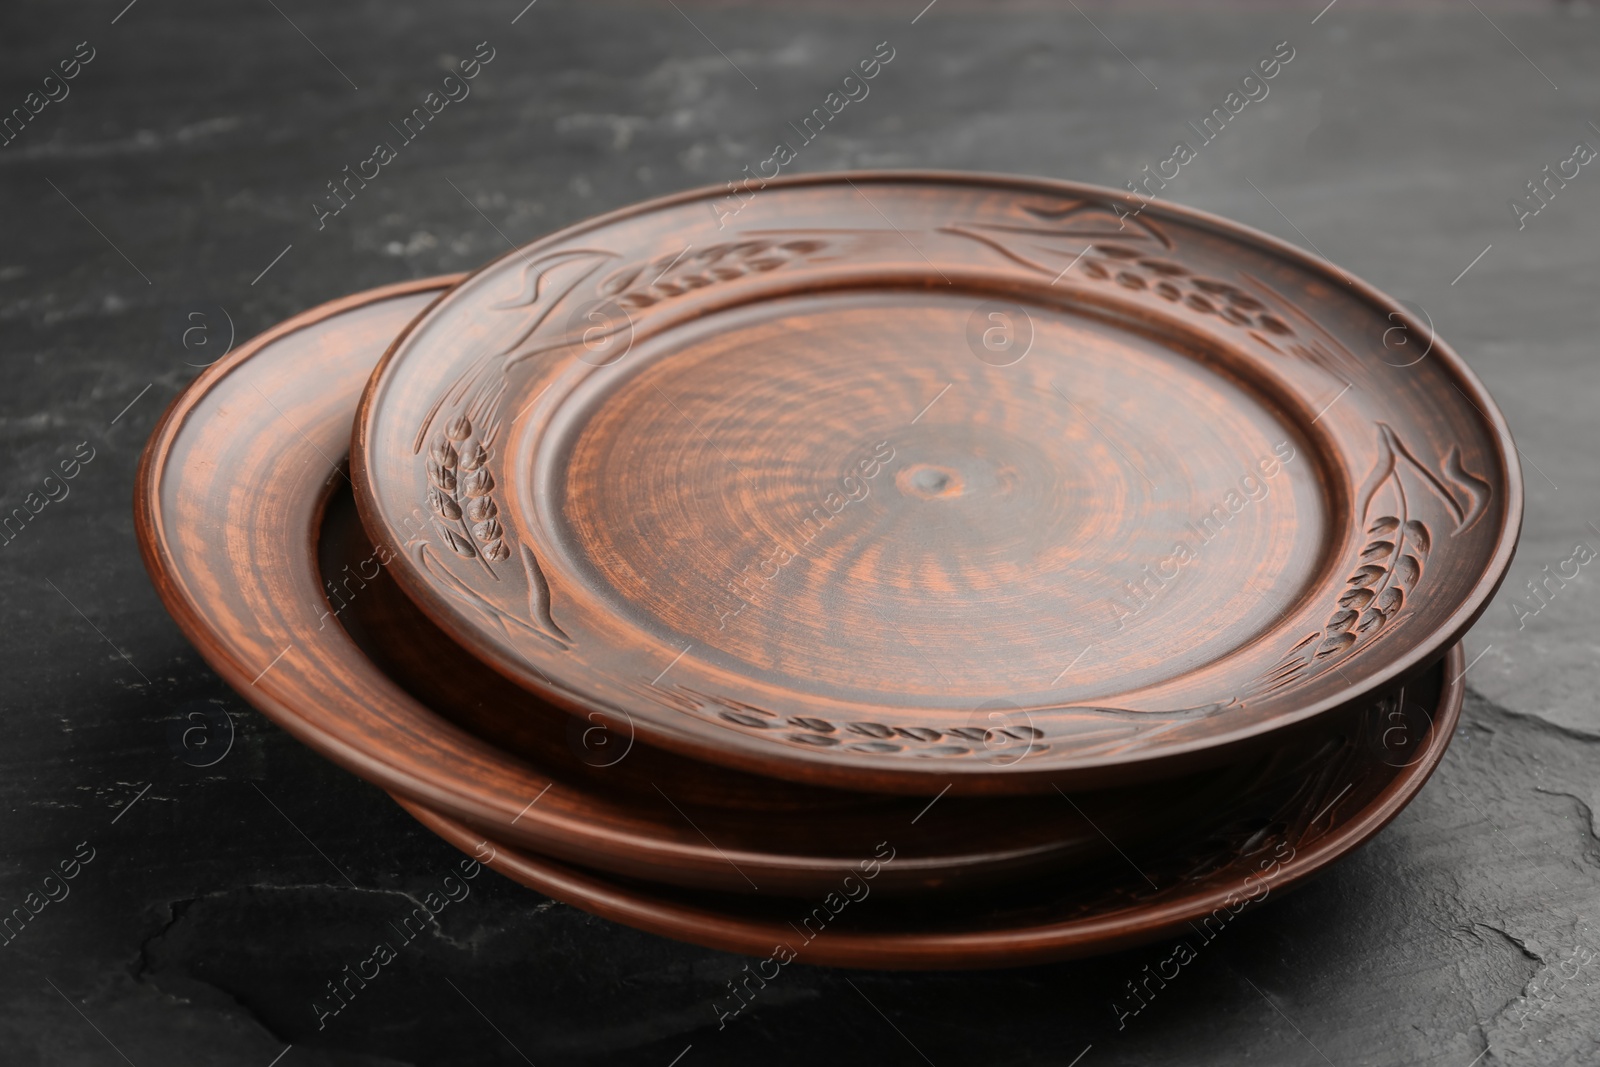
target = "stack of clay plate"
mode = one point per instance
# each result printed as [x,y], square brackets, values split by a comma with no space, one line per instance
[880,570]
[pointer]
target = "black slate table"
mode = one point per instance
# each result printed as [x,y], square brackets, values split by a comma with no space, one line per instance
[163,200]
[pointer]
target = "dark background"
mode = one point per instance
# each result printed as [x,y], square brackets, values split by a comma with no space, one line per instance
[186,158]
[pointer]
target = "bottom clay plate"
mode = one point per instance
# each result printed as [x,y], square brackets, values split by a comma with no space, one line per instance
[1311,805]
[240,486]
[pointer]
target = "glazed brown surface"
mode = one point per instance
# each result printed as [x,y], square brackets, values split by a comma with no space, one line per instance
[232,521]
[906,482]
[1309,805]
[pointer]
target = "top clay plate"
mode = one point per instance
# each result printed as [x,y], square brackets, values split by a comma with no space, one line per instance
[906,481]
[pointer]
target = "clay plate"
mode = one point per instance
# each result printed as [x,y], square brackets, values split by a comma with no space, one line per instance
[911,481]
[240,488]
[1310,806]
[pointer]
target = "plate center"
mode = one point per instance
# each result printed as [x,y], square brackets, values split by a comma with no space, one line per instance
[845,492]
[930,481]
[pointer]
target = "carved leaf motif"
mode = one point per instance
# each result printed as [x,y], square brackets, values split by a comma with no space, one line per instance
[1377,549]
[1097,240]
[619,281]
[506,624]
[633,286]
[443,453]
[539,596]
[460,544]
[1393,562]
[1089,730]
[459,431]
[442,478]
[1418,535]
[443,505]
[1335,644]
[1464,494]
[1366,575]
[546,280]
[1062,232]
[806,722]
[1355,598]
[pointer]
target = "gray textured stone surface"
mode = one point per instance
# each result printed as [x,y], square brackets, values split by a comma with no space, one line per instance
[196,141]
